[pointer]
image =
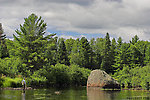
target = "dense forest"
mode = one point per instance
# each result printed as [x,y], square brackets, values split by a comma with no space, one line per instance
[46,60]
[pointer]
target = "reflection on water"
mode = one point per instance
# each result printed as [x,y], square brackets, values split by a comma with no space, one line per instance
[77,93]
[23,95]
[95,93]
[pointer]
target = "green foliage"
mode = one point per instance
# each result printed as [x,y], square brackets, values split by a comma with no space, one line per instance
[98,52]
[32,42]
[79,75]
[1,81]
[12,46]
[48,60]
[74,56]
[3,47]
[51,52]
[69,45]
[57,75]
[81,53]
[10,66]
[61,75]
[37,79]
[106,64]
[11,82]
[134,39]
[62,56]
[137,77]
[84,53]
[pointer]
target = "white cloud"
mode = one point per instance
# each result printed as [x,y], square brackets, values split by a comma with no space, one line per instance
[67,37]
[124,18]
[82,36]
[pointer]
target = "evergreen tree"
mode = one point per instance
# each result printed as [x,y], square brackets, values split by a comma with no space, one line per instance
[119,43]
[134,39]
[51,52]
[2,35]
[94,55]
[142,47]
[62,52]
[113,52]
[113,49]
[99,49]
[147,54]
[118,58]
[123,57]
[3,47]
[85,52]
[74,56]
[69,45]
[106,61]
[135,56]
[32,42]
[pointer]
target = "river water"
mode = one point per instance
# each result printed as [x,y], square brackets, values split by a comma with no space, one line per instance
[78,93]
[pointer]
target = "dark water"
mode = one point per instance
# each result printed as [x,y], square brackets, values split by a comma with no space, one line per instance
[80,93]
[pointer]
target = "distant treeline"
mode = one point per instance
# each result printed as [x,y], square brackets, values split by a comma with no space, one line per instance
[57,61]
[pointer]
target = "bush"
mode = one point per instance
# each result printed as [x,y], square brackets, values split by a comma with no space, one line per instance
[12,82]
[1,82]
[9,66]
[62,75]
[58,75]
[135,77]
[37,79]
[79,75]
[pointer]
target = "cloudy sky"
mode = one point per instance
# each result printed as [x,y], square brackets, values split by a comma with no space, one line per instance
[78,18]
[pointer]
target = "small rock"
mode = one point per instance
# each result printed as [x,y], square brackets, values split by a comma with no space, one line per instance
[57,92]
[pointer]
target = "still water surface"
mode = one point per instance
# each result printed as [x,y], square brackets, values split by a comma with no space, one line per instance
[80,93]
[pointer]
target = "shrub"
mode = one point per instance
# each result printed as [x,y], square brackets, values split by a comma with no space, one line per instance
[62,75]
[37,80]
[79,75]
[12,82]
[135,77]
[9,66]
[58,75]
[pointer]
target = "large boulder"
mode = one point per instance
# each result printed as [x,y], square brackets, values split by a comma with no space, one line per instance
[99,78]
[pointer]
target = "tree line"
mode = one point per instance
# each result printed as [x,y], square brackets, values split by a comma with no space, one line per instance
[32,54]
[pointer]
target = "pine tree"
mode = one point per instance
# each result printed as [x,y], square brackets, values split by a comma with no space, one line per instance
[32,42]
[119,42]
[106,61]
[123,57]
[142,47]
[93,56]
[147,54]
[113,53]
[62,52]
[118,58]
[3,47]
[85,52]
[74,56]
[99,51]
[51,52]
[113,49]
[69,45]
[136,57]
[134,39]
